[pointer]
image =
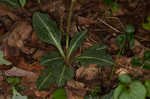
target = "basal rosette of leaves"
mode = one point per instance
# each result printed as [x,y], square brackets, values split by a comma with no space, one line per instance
[58,65]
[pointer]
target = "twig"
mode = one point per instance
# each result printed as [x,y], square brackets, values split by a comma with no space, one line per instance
[109,25]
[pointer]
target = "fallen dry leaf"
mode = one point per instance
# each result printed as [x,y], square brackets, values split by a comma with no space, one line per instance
[7,11]
[5,97]
[87,73]
[71,95]
[19,72]
[41,93]
[84,20]
[77,87]
[20,32]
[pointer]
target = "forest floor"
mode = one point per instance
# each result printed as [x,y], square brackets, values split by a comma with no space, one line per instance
[23,49]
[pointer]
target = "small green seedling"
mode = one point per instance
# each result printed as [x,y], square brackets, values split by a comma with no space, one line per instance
[17,95]
[126,39]
[58,66]
[147,86]
[2,60]
[143,62]
[128,89]
[94,94]
[114,5]
[15,81]
[22,3]
[146,26]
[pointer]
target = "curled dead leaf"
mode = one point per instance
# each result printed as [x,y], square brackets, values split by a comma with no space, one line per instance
[21,32]
[88,73]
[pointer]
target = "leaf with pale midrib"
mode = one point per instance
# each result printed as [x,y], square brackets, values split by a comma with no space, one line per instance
[95,55]
[46,79]
[47,30]
[76,41]
[63,74]
[55,74]
[51,57]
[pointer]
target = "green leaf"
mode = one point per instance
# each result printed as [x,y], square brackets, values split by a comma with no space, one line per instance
[118,91]
[109,95]
[146,55]
[115,7]
[148,18]
[13,80]
[47,30]
[130,34]
[91,97]
[76,41]
[22,2]
[108,2]
[131,43]
[135,90]
[130,28]
[96,91]
[17,95]
[63,74]
[20,88]
[2,60]
[51,58]
[38,1]
[124,78]
[146,26]
[120,40]
[95,55]
[136,62]
[58,74]
[146,64]
[12,3]
[59,94]
[147,86]
[46,79]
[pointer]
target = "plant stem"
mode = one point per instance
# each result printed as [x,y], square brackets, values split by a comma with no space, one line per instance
[142,66]
[61,51]
[118,55]
[68,24]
